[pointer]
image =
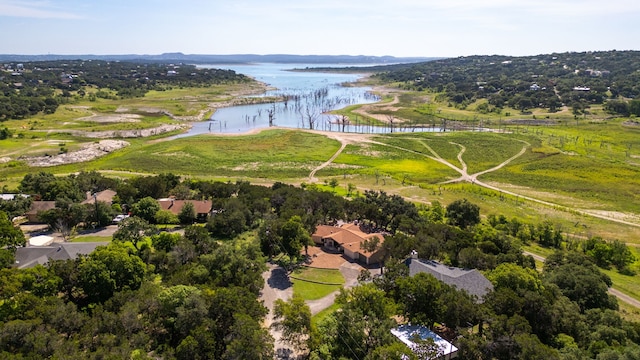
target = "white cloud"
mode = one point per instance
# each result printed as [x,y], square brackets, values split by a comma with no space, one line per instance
[34,9]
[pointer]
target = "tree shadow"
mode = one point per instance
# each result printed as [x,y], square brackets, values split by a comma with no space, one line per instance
[279,279]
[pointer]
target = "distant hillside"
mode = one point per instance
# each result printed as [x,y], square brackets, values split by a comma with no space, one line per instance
[223,59]
[548,81]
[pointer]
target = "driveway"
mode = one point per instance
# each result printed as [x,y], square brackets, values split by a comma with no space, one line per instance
[276,286]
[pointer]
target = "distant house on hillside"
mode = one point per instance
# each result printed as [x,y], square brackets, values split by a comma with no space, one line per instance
[202,207]
[469,280]
[36,207]
[27,257]
[347,239]
[103,196]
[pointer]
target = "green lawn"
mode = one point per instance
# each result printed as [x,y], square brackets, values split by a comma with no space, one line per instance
[91,238]
[317,318]
[311,289]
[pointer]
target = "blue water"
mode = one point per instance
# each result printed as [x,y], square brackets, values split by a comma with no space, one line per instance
[313,95]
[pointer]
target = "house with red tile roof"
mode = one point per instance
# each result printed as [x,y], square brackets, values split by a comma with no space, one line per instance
[348,239]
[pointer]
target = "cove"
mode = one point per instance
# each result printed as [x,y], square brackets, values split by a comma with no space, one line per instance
[310,96]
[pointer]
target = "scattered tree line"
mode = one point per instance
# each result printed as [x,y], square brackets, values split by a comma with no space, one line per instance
[36,87]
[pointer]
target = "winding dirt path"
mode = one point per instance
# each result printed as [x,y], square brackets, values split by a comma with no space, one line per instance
[346,138]
[312,175]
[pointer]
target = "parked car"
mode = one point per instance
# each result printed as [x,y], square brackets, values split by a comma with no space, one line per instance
[119,218]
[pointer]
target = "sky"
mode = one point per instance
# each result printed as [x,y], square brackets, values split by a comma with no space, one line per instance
[403,28]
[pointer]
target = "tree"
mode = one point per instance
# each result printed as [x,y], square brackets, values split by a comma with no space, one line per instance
[134,229]
[294,236]
[583,284]
[11,237]
[293,318]
[146,209]
[463,214]
[364,322]
[165,217]
[420,298]
[101,213]
[248,340]
[516,278]
[110,269]
[187,214]
[394,270]
[200,238]
[164,241]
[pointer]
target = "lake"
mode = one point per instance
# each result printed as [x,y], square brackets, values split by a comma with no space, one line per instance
[311,95]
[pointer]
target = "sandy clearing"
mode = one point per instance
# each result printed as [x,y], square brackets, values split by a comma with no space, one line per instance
[114,118]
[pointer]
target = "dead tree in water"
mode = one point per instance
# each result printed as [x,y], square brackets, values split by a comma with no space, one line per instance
[390,118]
[311,116]
[272,114]
[344,120]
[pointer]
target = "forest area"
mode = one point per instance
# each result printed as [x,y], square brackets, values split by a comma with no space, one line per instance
[29,88]
[550,81]
[152,293]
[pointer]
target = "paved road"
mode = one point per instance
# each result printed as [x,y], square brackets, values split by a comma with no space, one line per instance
[621,296]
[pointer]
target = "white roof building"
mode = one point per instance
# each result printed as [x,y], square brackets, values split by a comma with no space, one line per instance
[406,333]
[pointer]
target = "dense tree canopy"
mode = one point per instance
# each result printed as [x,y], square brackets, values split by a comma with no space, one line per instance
[41,86]
[548,81]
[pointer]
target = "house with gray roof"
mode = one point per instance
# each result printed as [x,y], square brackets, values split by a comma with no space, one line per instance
[30,256]
[469,280]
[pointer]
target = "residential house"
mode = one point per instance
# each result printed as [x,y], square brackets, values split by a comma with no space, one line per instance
[30,256]
[408,334]
[202,207]
[103,196]
[469,280]
[347,239]
[36,207]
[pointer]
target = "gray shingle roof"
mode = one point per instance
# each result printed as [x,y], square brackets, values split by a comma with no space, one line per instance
[31,256]
[472,281]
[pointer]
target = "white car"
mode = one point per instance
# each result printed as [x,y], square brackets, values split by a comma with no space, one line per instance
[119,218]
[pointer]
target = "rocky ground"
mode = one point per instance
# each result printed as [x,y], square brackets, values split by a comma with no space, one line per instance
[87,152]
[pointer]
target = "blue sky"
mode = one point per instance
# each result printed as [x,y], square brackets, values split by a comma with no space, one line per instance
[350,27]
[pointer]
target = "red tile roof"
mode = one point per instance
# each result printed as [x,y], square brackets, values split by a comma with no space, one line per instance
[201,206]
